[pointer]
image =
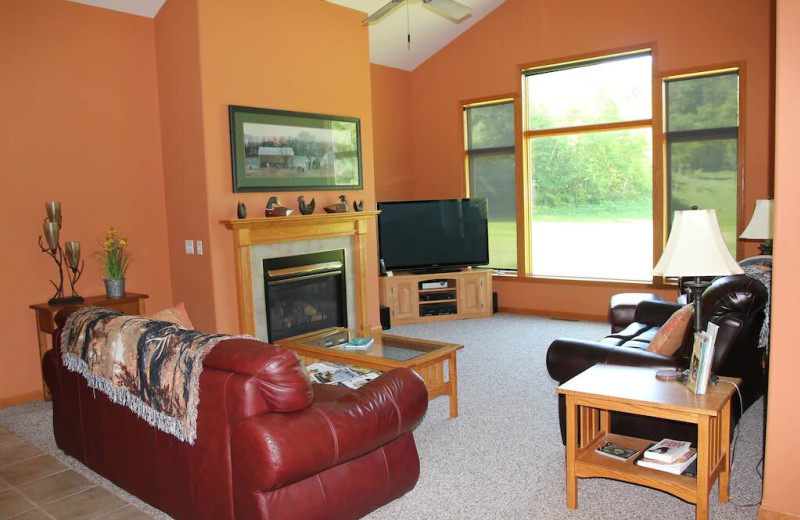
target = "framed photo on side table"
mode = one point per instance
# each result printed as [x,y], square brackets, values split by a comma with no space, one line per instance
[277,150]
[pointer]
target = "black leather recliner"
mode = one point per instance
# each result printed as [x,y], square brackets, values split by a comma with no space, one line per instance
[735,303]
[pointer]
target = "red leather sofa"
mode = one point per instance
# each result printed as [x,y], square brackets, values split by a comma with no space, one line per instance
[269,445]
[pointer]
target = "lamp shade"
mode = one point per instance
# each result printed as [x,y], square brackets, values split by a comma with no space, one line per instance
[695,247]
[760,226]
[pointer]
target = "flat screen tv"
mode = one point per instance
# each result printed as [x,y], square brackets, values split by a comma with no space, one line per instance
[429,235]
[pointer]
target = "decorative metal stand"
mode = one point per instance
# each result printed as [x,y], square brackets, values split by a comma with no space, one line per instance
[51,227]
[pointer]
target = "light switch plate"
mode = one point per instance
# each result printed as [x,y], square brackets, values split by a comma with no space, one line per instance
[189,247]
[199,247]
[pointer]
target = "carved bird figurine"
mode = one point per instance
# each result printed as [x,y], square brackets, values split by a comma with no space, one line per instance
[340,207]
[274,208]
[358,206]
[305,209]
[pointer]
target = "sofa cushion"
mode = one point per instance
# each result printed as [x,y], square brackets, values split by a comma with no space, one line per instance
[176,315]
[670,336]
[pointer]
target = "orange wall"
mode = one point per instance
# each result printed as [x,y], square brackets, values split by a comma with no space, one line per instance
[486,61]
[304,55]
[80,123]
[180,96]
[783,414]
[391,99]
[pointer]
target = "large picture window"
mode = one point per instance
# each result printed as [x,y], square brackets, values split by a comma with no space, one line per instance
[588,136]
[490,152]
[702,142]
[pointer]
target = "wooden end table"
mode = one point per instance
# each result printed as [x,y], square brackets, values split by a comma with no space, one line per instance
[424,357]
[131,303]
[591,395]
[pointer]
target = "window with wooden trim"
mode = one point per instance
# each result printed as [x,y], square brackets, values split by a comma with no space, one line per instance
[490,157]
[588,136]
[702,143]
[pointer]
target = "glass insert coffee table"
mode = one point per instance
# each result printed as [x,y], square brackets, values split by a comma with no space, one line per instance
[426,358]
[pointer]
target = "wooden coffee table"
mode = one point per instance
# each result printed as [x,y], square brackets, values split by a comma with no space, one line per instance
[426,358]
[591,395]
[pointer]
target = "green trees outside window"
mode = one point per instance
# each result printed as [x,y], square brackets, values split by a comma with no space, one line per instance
[589,139]
[491,166]
[702,146]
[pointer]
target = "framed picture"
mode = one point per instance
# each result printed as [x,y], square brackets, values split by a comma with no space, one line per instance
[276,150]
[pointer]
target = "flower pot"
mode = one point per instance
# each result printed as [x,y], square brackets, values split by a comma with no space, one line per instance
[115,287]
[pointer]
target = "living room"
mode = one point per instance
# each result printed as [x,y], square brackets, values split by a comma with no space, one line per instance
[136,113]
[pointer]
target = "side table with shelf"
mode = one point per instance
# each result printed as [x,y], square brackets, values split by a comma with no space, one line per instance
[418,298]
[131,303]
[601,389]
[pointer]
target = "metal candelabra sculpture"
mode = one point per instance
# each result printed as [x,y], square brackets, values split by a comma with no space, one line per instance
[51,227]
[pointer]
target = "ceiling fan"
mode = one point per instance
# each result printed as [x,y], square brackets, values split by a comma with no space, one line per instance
[447,8]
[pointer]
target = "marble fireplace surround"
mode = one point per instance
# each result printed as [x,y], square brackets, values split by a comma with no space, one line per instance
[271,237]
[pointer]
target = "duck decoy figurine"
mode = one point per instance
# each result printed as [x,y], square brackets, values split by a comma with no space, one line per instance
[340,207]
[358,206]
[305,209]
[274,208]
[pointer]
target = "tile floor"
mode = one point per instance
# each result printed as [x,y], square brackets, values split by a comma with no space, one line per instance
[34,485]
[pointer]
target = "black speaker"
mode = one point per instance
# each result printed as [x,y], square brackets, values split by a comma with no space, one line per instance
[386,321]
[494,302]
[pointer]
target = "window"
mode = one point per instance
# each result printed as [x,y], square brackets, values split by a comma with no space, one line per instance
[491,157]
[589,140]
[702,141]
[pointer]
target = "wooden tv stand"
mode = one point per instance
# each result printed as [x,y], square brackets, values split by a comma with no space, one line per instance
[420,298]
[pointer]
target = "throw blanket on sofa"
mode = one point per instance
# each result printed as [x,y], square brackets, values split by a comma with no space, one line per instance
[152,367]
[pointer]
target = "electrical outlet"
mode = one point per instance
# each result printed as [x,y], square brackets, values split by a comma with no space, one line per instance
[199,247]
[189,247]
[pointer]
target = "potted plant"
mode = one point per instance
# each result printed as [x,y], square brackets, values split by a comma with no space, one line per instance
[114,259]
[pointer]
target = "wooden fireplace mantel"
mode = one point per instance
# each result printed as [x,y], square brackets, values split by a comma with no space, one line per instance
[268,230]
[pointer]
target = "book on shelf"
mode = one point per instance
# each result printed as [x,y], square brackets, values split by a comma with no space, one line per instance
[330,373]
[680,466]
[610,449]
[701,360]
[667,450]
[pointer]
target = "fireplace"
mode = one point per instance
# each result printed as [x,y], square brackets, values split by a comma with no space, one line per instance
[305,293]
[256,239]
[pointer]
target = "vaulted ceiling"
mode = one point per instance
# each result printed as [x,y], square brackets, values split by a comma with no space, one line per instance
[388,38]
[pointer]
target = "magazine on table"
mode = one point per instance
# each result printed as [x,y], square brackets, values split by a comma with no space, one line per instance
[701,360]
[330,373]
[357,344]
[610,449]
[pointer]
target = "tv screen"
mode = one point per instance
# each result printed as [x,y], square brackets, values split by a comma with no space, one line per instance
[430,234]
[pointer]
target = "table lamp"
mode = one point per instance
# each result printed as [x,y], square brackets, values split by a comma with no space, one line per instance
[695,249]
[760,226]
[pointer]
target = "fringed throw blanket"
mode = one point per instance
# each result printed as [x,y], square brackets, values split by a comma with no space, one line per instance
[152,367]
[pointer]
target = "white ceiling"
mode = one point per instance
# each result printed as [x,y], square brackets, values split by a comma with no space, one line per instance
[388,38]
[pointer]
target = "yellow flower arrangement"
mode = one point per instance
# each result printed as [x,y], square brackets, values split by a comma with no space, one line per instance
[114,257]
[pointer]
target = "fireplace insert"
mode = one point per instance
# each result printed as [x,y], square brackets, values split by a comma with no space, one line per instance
[305,293]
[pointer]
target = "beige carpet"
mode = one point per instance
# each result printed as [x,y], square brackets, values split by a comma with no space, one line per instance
[502,458]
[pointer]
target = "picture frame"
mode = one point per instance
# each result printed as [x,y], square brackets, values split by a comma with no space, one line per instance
[279,150]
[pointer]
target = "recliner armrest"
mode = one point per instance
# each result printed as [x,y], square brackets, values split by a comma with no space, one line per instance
[272,450]
[566,358]
[655,312]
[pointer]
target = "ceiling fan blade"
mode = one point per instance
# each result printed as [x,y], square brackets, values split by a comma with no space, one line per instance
[449,8]
[380,13]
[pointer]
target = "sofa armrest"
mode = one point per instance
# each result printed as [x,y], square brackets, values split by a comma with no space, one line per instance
[276,372]
[272,450]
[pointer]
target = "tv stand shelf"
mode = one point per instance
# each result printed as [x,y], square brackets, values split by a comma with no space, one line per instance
[419,298]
